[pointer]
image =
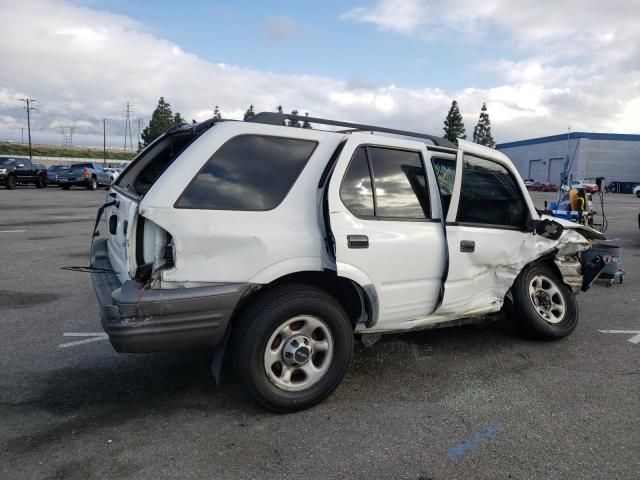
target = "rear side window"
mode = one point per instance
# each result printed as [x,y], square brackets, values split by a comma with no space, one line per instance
[356,190]
[490,195]
[249,172]
[399,182]
[386,183]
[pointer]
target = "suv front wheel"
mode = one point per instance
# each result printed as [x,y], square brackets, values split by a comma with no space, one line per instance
[292,347]
[543,305]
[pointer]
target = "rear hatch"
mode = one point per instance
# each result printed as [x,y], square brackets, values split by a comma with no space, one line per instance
[136,245]
[77,172]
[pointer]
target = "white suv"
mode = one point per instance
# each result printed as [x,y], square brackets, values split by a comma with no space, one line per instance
[279,243]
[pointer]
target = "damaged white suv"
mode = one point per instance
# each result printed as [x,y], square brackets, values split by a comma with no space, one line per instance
[277,244]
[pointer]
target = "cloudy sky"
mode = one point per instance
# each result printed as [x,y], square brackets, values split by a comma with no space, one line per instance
[542,66]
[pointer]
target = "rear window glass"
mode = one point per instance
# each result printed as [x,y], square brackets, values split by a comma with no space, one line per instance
[400,183]
[356,190]
[249,172]
[82,165]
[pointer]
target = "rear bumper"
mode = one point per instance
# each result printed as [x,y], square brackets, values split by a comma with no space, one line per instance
[154,320]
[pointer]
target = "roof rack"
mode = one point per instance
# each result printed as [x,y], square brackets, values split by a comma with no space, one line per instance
[273,118]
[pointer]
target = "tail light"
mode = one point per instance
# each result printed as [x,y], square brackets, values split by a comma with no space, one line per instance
[85,171]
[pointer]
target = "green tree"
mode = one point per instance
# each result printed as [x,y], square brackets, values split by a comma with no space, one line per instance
[482,131]
[216,113]
[249,113]
[306,123]
[453,126]
[294,123]
[162,120]
[177,119]
[279,108]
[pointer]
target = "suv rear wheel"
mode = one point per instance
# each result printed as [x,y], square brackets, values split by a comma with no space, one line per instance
[93,184]
[292,347]
[543,305]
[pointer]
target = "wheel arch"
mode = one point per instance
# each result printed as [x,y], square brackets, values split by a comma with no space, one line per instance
[356,300]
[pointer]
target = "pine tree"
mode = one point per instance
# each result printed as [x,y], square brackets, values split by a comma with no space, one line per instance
[482,131]
[177,119]
[453,126]
[162,120]
[216,113]
[294,123]
[249,113]
[306,123]
[284,122]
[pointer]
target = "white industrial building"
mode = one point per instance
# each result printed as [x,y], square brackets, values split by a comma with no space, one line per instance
[616,157]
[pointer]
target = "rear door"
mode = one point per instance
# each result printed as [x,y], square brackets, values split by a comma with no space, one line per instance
[24,169]
[488,244]
[385,217]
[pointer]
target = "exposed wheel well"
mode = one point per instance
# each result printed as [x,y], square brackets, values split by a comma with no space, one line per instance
[346,292]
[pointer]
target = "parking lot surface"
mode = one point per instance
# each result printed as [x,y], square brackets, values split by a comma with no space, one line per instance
[466,402]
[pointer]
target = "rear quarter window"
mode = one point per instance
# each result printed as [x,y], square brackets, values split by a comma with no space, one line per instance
[249,172]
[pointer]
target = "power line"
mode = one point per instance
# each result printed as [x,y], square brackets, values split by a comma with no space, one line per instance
[28,105]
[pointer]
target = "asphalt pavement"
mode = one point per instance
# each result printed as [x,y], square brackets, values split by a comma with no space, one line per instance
[466,402]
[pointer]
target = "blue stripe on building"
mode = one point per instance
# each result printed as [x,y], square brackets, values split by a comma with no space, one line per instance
[574,135]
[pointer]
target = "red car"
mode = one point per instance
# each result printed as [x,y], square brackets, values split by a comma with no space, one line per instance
[544,187]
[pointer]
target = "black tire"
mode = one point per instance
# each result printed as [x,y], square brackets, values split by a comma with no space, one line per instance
[11,182]
[638,194]
[65,187]
[524,313]
[260,321]
[41,182]
[93,184]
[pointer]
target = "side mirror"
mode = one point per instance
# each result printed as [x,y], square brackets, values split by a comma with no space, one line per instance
[546,228]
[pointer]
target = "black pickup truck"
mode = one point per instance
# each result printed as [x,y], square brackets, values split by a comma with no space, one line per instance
[18,170]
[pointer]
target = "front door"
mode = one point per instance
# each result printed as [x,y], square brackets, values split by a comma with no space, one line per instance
[386,220]
[488,244]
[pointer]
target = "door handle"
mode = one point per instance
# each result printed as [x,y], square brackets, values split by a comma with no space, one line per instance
[357,241]
[467,246]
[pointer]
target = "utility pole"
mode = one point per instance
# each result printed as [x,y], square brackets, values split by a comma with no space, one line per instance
[22,134]
[28,105]
[104,142]
[128,112]
[138,139]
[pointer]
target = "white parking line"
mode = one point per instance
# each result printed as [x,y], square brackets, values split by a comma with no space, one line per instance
[93,337]
[634,339]
[13,231]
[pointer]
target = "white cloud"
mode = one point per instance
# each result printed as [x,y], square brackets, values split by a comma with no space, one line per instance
[403,16]
[82,65]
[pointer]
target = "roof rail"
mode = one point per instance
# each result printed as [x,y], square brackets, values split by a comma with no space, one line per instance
[273,118]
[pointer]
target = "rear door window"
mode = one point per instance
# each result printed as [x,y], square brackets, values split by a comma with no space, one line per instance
[356,190]
[400,184]
[386,183]
[249,172]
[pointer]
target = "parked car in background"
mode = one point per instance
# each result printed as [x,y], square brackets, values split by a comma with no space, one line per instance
[528,182]
[588,187]
[90,175]
[543,187]
[53,172]
[636,191]
[113,172]
[16,171]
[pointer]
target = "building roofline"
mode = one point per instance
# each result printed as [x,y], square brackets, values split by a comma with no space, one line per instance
[621,137]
